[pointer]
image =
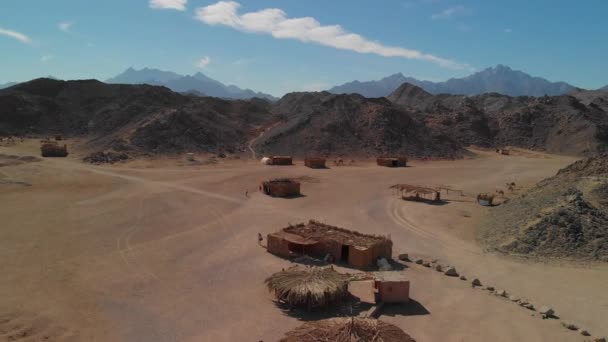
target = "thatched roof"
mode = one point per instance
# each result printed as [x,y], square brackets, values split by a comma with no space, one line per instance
[308,286]
[318,231]
[347,330]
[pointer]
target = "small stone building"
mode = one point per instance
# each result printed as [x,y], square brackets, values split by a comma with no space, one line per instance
[281,187]
[53,150]
[281,160]
[392,161]
[335,244]
[315,162]
[387,287]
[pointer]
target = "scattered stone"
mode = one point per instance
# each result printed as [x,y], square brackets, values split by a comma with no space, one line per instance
[501,293]
[529,306]
[490,288]
[476,282]
[451,272]
[426,264]
[462,277]
[569,326]
[404,257]
[419,261]
[106,157]
[584,332]
[599,339]
[514,298]
[438,268]
[546,311]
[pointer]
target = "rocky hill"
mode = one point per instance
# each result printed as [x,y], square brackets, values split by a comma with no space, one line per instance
[574,124]
[562,216]
[324,123]
[130,117]
[500,79]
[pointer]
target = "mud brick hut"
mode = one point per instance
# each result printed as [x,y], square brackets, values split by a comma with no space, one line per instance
[281,160]
[53,150]
[321,240]
[281,187]
[387,287]
[391,161]
[315,162]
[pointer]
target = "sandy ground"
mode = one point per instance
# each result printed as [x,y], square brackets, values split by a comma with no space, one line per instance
[161,251]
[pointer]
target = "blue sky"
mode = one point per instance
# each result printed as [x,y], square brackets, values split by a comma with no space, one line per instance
[281,46]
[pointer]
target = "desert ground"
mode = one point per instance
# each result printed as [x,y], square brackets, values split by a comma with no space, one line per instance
[160,250]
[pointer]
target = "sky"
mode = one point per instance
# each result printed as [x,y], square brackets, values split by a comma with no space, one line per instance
[278,46]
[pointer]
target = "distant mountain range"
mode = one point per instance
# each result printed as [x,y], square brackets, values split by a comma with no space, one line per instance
[500,79]
[604,88]
[193,84]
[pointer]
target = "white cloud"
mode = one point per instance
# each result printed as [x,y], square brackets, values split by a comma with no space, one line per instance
[65,26]
[275,22]
[508,30]
[46,58]
[16,35]
[203,62]
[451,12]
[179,5]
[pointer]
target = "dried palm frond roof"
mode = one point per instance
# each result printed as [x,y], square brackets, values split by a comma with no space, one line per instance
[318,231]
[347,330]
[311,286]
[414,188]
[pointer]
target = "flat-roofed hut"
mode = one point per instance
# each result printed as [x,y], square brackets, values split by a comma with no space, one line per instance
[315,162]
[347,329]
[321,240]
[281,160]
[311,287]
[53,150]
[281,187]
[391,161]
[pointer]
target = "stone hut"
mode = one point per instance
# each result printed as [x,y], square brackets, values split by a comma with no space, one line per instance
[281,187]
[391,161]
[281,160]
[331,243]
[315,162]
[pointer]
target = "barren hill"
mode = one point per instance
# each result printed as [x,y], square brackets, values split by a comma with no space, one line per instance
[570,124]
[129,117]
[324,123]
[562,216]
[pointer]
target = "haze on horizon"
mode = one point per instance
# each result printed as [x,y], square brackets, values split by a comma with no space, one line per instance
[281,46]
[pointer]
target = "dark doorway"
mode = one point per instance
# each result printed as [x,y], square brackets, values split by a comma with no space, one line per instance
[394,163]
[344,254]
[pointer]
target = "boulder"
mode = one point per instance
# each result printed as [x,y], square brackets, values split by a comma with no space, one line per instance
[584,332]
[529,306]
[501,293]
[490,288]
[462,277]
[426,264]
[514,298]
[438,268]
[569,326]
[599,339]
[404,257]
[546,311]
[476,282]
[419,261]
[451,272]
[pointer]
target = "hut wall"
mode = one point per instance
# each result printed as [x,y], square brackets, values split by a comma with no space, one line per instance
[53,150]
[277,245]
[277,160]
[393,291]
[321,249]
[283,189]
[382,249]
[360,257]
[315,163]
